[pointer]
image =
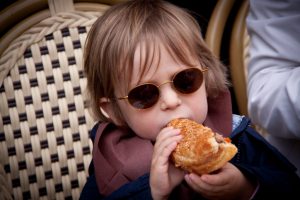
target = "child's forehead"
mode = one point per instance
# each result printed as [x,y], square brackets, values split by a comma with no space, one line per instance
[148,61]
[148,56]
[145,64]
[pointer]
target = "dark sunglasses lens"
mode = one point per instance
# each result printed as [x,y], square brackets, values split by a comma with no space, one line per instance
[143,96]
[188,81]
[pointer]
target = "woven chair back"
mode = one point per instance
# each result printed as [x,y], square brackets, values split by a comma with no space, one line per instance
[44,117]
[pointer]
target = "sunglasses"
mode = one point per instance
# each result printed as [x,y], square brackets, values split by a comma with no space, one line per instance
[146,95]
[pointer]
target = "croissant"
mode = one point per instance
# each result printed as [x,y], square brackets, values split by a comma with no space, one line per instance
[201,150]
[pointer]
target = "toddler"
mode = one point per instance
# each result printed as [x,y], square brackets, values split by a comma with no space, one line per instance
[146,63]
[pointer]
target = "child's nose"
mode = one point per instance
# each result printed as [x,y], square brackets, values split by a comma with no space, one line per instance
[169,98]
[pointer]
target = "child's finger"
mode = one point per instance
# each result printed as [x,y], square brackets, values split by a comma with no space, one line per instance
[167,132]
[165,148]
[163,138]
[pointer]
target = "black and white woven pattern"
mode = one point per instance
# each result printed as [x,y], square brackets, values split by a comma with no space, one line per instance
[44,119]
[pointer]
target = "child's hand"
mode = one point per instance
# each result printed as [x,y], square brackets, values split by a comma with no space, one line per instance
[227,183]
[164,176]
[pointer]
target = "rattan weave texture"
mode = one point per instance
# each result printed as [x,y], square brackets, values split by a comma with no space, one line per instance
[44,118]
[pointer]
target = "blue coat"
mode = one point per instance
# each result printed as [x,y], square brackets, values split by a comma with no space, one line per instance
[256,158]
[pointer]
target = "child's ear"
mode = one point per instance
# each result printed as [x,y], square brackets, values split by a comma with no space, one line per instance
[107,110]
[104,112]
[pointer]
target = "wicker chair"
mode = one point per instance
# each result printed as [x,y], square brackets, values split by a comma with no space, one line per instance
[239,56]
[44,120]
[238,48]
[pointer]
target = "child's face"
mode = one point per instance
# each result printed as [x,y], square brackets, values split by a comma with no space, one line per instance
[147,123]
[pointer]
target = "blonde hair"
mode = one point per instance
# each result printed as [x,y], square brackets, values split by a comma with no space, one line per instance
[114,37]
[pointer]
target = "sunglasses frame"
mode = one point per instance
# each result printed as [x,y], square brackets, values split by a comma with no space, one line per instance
[163,83]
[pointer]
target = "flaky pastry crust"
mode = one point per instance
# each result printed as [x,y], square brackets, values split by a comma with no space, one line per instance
[201,150]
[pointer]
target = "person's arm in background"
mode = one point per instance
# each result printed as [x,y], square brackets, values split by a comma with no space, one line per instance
[274,67]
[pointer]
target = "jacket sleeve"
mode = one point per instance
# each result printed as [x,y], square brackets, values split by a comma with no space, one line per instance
[260,161]
[135,190]
[90,190]
[274,66]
